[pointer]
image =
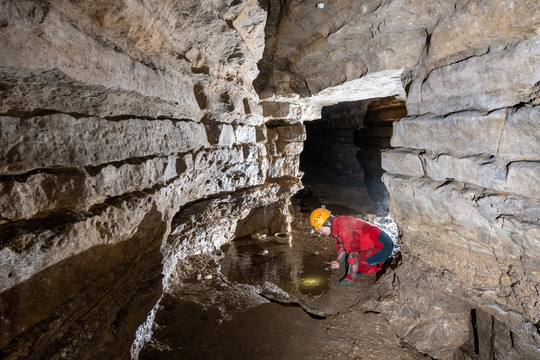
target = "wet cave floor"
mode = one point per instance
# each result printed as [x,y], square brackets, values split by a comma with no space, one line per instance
[267,300]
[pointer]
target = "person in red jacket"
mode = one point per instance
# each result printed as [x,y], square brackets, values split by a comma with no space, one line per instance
[360,245]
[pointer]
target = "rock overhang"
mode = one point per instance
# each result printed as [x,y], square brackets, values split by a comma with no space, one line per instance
[381,84]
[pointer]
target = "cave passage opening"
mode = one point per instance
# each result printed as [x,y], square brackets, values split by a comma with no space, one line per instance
[229,313]
[341,160]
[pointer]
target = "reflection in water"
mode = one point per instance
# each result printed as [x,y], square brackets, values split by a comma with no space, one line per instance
[291,268]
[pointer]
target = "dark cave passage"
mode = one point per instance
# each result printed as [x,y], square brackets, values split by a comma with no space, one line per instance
[343,150]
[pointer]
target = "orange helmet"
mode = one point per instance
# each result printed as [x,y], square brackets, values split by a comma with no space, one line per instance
[318,217]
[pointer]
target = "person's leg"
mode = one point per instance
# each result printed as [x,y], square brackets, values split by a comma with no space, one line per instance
[384,253]
[364,268]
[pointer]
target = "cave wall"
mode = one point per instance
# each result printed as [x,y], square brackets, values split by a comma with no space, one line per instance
[117,117]
[463,170]
[132,136]
[463,183]
[463,178]
[309,48]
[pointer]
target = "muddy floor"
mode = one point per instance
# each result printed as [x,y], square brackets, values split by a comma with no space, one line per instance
[267,300]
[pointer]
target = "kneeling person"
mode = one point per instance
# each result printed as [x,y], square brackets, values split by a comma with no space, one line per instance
[364,247]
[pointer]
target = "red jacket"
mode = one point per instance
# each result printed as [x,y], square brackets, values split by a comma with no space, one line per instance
[354,235]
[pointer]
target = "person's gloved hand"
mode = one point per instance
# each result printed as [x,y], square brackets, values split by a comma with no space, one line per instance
[344,282]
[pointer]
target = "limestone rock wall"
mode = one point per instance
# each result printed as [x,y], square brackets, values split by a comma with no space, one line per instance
[463,183]
[463,171]
[310,48]
[132,136]
[115,116]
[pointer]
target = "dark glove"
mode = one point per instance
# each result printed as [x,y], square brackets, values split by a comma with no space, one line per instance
[344,282]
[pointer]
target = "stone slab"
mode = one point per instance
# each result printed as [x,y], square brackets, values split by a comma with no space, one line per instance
[62,140]
[488,82]
[401,161]
[509,134]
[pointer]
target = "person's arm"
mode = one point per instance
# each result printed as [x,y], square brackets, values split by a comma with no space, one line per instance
[353,260]
[341,254]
